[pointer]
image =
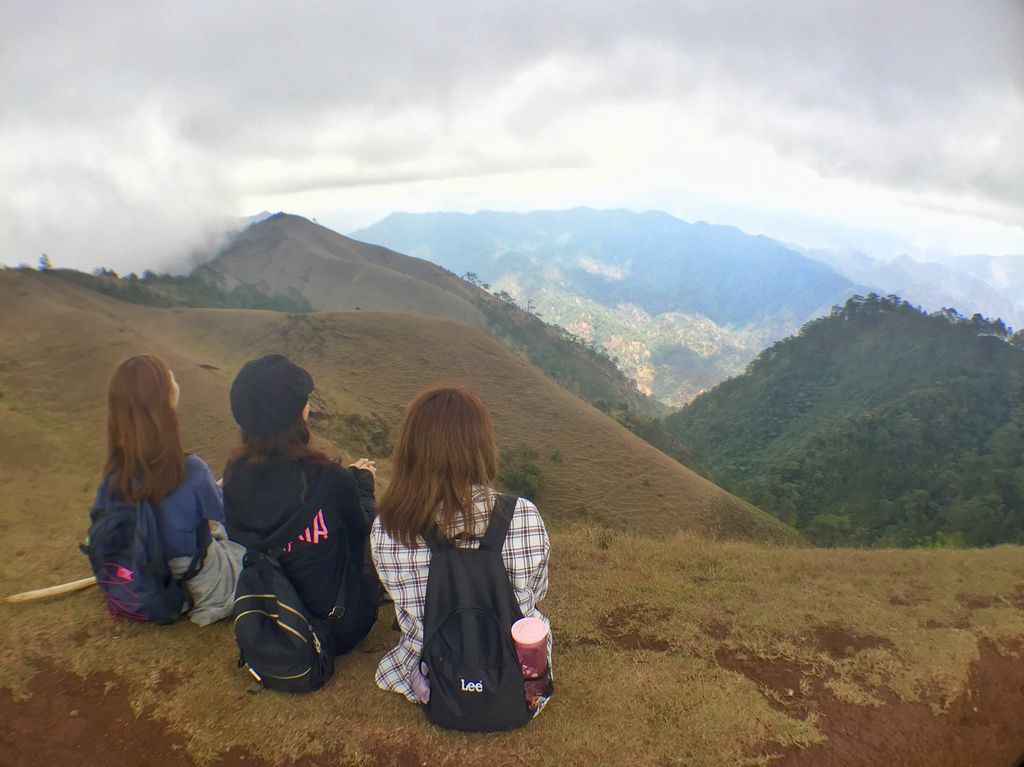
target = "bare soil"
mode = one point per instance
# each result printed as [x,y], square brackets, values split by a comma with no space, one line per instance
[785,682]
[618,627]
[975,601]
[984,726]
[87,721]
[840,641]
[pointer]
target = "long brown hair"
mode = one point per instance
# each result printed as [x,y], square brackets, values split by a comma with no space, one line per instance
[144,452]
[292,444]
[445,447]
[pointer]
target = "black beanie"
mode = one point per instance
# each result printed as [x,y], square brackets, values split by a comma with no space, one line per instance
[268,395]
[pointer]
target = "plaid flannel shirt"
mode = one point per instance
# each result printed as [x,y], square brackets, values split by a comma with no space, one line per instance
[403,572]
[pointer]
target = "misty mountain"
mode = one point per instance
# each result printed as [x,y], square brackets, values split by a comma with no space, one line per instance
[682,305]
[992,286]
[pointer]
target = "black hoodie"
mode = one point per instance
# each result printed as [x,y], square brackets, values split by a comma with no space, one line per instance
[317,516]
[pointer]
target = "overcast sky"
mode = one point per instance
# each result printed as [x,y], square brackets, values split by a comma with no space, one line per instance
[129,131]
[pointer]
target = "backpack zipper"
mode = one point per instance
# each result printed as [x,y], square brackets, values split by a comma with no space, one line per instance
[277,616]
[277,620]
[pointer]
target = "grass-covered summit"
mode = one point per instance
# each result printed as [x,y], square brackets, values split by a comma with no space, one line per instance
[877,425]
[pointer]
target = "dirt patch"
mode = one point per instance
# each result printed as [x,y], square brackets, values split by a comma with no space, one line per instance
[566,643]
[788,682]
[397,756]
[1017,600]
[975,601]
[907,600]
[620,627]
[716,629]
[842,642]
[982,727]
[931,623]
[58,725]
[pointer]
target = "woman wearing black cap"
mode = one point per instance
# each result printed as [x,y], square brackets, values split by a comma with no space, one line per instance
[282,495]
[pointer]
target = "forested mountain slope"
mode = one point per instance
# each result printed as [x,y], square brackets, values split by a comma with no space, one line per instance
[877,425]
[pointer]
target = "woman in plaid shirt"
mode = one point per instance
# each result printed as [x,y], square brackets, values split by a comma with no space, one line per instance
[443,471]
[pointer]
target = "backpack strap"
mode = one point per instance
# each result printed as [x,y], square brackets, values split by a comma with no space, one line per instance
[338,610]
[433,540]
[501,520]
[203,539]
[497,529]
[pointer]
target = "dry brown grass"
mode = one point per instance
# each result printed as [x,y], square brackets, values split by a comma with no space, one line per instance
[289,252]
[670,648]
[60,343]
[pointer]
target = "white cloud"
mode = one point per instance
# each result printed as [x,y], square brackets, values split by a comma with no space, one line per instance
[137,126]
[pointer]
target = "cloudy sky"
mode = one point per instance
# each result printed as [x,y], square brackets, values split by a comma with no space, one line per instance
[130,131]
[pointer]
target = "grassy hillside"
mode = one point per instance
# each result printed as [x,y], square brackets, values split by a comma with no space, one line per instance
[367,365]
[166,290]
[879,425]
[287,254]
[669,648]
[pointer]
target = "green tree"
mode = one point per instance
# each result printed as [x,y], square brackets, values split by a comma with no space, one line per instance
[519,471]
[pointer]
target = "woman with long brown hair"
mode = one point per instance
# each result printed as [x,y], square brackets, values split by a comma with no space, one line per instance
[146,463]
[284,496]
[442,489]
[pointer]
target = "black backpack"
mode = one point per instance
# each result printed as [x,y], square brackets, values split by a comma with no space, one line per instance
[476,683]
[126,553]
[280,644]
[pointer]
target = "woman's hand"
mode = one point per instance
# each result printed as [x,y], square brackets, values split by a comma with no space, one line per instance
[367,465]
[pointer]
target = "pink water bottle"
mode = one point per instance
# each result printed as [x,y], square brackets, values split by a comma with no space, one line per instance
[530,636]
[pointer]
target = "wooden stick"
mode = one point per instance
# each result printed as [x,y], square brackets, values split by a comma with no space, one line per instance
[52,591]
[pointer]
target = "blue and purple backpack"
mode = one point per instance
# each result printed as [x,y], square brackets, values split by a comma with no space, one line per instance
[126,553]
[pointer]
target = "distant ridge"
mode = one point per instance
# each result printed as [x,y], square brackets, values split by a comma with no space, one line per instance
[990,285]
[683,305]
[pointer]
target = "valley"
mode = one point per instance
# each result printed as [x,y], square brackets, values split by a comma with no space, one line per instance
[681,305]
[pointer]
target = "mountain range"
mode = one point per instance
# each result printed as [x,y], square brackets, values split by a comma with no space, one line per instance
[992,286]
[289,255]
[681,305]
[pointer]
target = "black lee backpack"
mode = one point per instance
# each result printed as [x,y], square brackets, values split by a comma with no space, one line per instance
[281,645]
[476,683]
[126,553]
